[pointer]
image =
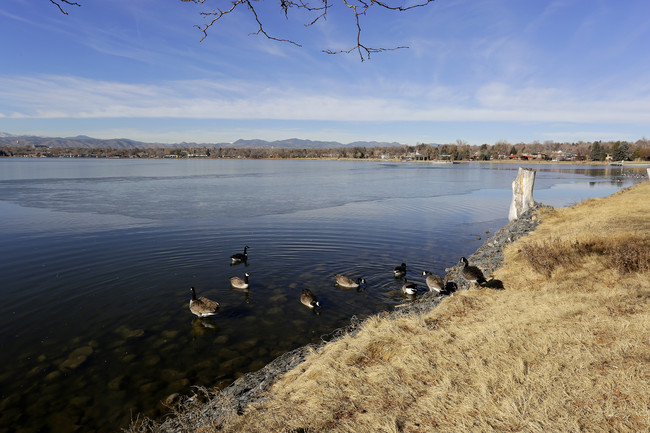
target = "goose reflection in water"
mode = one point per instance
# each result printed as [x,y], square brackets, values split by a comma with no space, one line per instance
[203,326]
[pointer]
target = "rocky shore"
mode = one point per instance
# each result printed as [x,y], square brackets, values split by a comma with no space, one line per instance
[202,409]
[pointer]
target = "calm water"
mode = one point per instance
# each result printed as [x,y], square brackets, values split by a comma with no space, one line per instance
[97,258]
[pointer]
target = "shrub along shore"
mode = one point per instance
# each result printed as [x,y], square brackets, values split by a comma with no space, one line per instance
[557,340]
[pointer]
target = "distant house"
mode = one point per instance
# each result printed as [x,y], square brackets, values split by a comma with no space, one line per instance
[559,155]
[416,156]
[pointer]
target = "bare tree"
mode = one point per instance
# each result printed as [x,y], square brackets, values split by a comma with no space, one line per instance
[316,11]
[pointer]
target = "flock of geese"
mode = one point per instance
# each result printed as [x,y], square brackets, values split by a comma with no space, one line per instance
[203,307]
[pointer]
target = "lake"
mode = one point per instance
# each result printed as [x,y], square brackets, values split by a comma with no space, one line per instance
[97,258]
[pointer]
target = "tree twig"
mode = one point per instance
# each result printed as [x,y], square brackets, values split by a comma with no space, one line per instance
[58,5]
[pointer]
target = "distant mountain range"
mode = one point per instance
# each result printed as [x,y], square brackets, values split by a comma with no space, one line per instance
[83,141]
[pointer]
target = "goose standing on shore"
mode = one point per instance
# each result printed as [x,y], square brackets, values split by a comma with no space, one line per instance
[240,283]
[472,273]
[240,257]
[434,282]
[400,271]
[309,299]
[409,288]
[347,282]
[202,307]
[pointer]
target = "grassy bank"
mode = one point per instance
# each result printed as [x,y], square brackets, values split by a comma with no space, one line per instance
[565,347]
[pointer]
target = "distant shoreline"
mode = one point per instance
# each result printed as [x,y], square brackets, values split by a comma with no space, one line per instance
[635,163]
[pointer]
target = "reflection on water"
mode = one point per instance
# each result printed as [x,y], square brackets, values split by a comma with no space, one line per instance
[98,258]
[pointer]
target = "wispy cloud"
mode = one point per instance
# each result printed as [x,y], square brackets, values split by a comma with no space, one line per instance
[74,97]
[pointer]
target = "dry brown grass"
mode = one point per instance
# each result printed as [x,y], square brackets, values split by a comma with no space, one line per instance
[564,348]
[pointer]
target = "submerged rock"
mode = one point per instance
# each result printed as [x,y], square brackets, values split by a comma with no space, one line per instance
[126,333]
[76,358]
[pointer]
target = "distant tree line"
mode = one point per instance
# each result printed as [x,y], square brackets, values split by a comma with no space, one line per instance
[581,151]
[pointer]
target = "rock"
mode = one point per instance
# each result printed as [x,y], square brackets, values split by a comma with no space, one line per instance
[172,399]
[151,360]
[222,339]
[126,333]
[116,383]
[169,335]
[80,401]
[52,376]
[76,358]
[149,388]
[245,345]
[179,384]
[169,374]
[34,371]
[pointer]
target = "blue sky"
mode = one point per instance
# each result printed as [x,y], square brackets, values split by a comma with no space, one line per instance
[476,70]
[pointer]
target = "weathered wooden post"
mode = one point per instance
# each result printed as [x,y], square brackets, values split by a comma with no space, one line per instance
[648,171]
[522,193]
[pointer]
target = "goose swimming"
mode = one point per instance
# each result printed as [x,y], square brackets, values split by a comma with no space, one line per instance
[202,307]
[240,283]
[348,282]
[240,257]
[309,299]
[400,271]
[409,288]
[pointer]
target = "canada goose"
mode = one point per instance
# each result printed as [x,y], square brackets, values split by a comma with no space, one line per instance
[348,282]
[409,288]
[202,307]
[240,257]
[472,273]
[400,271]
[434,282]
[309,299]
[239,283]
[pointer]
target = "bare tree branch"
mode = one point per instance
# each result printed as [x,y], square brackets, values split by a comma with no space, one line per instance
[58,5]
[358,8]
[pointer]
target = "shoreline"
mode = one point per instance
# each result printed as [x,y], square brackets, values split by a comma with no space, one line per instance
[253,387]
[629,164]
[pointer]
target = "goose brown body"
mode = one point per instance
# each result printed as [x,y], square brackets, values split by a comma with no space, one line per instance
[434,282]
[348,282]
[202,306]
[409,288]
[472,273]
[309,299]
[240,283]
